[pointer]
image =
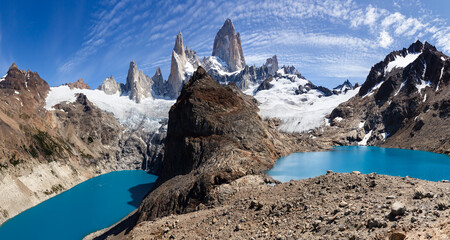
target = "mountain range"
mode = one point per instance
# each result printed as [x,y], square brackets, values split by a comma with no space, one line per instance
[208,109]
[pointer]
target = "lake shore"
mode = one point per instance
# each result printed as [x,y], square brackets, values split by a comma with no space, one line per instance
[335,205]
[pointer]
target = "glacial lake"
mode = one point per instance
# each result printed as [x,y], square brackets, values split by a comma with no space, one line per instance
[89,206]
[388,161]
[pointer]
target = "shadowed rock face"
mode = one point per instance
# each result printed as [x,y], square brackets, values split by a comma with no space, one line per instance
[159,87]
[227,46]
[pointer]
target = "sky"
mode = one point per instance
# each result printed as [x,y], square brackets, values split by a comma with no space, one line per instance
[328,41]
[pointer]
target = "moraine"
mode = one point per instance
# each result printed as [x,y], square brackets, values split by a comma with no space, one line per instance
[388,161]
[92,205]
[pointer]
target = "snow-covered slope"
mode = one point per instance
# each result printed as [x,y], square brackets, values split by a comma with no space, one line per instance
[148,112]
[402,62]
[297,112]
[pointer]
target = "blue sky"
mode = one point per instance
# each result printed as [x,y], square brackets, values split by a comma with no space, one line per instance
[328,41]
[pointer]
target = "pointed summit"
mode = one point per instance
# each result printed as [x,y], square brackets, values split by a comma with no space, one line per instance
[138,84]
[227,47]
[272,65]
[179,47]
[177,67]
[13,66]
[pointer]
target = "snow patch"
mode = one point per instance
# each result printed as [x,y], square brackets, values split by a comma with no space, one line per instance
[189,68]
[297,112]
[371,91]
[363,142]
[361,124]
[149,112]
[424,70]
[424,98]
[423,84]
[16,92]
[3,78]
[400,88]
[215,63]
[401,62]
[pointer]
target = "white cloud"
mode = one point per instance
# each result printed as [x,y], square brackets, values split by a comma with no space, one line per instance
[385,40]
[443,39]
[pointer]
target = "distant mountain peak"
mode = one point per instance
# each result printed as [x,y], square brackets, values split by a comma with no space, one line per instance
[227,46]
[80,84]
[179,48]
[138,84]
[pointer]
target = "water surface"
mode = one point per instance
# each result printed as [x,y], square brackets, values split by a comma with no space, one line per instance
[89,206]
[388,161]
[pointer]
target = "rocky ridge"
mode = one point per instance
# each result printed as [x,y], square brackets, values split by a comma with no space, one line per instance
[402,104]
[78,84]
[46,152]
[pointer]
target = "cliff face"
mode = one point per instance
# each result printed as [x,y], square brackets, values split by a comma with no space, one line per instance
[184,61]
[138,84]
[45,152]
[403,103]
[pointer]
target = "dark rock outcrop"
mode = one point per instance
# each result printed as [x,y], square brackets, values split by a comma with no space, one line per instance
[265,85]
[344,87]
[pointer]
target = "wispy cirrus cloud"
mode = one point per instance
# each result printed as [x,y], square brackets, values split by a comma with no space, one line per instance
[295,30]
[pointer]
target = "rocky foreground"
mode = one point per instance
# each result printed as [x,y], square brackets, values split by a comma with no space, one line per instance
[332,206]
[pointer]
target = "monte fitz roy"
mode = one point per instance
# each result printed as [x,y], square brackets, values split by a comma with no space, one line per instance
[212,131]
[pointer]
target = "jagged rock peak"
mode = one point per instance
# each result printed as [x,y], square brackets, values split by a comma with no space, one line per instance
[416,47]
[110,86]
[13,66]
[177,68]
[138,84]
[347,84]
[272,65]
[158,71]
[227,46]
[179,47]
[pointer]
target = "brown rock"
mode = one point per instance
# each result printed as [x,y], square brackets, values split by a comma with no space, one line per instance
[397,236]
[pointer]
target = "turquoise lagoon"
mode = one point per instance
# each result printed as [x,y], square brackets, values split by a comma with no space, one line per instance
[389,161]
[89,206]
